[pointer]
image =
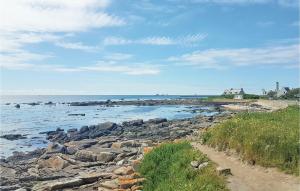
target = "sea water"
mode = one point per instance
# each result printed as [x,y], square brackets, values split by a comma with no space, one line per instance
[32,120]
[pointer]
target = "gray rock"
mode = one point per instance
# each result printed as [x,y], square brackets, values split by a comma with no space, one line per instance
[203,165]
[157,120]
[195,164]
[58,184]
[105,157]
[13,137]
[85,156]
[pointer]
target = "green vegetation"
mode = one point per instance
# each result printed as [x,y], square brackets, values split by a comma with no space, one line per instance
[292,94]
[251,96]
[167,168]
[268,139]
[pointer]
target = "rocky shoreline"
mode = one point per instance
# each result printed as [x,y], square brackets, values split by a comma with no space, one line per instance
[97,157]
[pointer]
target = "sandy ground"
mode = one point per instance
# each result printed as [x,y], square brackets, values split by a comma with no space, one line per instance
[250,178]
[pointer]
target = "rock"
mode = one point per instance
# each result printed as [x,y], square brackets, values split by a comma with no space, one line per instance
[223,171]
[50,103]
[76,114]
[56,148]
[13,137]
[21,189]
[58,184]
[18,106]
[71,150]
[137,122]
[129,143]
[56,163]
[157,120]
[94,176]
[195,164]
[84,129]
[85,156]
[10,187]
[72,130]
[110,184]
[101,129]
[203,165]
[126,183]
[105,157]
[124,170]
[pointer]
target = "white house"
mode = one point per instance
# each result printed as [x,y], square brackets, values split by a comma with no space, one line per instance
[232,91]
[282,91]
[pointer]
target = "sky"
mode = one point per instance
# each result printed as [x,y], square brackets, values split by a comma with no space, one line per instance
[105,47]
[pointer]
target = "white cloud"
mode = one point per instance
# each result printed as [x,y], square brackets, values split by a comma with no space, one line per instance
[156,40]
[55,15]
[281,56]
[76,46]
[118,56]
[283,3]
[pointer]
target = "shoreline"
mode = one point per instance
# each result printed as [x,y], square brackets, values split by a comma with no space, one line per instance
[95,150]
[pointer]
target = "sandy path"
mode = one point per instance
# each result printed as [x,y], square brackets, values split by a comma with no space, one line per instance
[251,178]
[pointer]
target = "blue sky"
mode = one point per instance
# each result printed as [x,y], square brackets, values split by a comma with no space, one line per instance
[147,47]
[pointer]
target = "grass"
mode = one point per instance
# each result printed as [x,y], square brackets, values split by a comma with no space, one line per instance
[167,168]
[267,139]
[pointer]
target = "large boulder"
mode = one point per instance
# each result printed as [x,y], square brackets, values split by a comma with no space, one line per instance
[157,120]
[101,129]
[58,184]
[85,156]
[105,156]
[55,163]
[56,148]
[137,122]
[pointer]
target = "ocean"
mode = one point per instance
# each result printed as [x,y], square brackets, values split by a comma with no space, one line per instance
[32,120]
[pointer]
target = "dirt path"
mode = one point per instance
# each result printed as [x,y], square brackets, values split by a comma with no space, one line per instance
[250,178]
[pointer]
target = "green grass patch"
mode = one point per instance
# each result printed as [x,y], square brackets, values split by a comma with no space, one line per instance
[269,139]
[167,168]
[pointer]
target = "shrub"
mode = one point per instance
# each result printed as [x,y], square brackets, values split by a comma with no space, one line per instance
[269,139]
[167,168]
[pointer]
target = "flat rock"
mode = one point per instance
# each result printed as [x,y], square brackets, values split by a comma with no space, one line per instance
[124,170]
[58,184]
[110,184]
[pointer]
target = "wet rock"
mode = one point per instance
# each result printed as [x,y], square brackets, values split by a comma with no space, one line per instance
[56,148]
[137,122]
[13,137]
[76,114]
[157,120]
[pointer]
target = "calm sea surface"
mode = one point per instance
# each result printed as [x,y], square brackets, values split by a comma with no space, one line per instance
[31,120]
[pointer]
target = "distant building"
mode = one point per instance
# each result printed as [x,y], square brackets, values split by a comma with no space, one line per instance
[277,92]
[238,96]
[282,91]
[232,91]
[237,93]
